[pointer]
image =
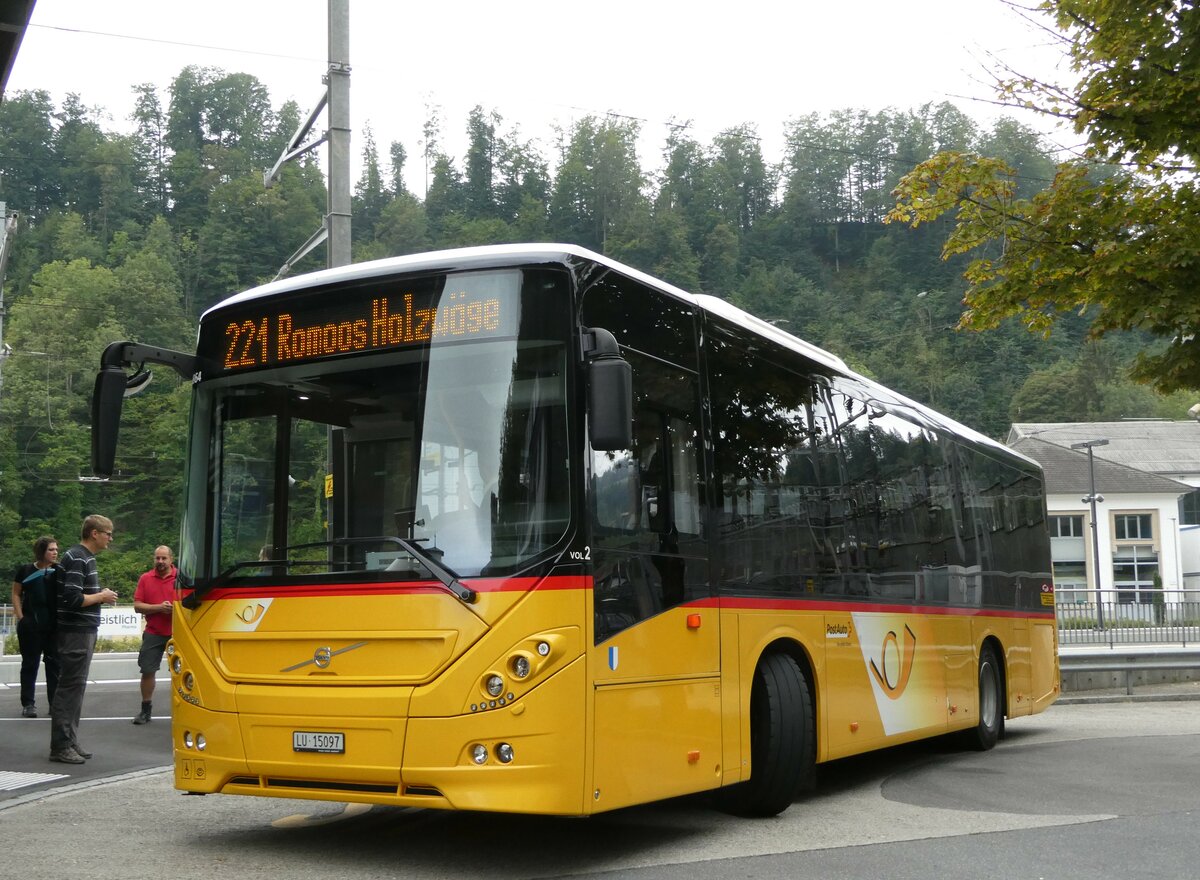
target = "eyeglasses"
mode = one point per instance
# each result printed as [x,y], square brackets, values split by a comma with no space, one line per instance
[107,533]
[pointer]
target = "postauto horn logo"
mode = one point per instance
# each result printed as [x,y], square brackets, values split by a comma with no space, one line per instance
[893,678]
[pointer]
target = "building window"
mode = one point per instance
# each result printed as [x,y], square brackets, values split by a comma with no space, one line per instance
[1066,527]
[1070,582]
[1189,509]
[1133,527]
[1134,568]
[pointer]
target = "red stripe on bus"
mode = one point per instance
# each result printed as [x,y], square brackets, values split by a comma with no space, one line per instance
[480,585]
[579,582]
[748,603]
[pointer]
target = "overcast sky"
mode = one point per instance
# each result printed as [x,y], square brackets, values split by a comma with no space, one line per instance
[539,63]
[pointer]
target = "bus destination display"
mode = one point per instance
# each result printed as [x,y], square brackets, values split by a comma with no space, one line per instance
[294,332]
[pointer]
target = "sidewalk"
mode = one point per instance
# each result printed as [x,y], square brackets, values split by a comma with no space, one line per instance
[1142,693]
[105,667]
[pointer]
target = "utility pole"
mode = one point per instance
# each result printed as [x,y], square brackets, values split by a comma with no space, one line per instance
[1092,498]
[335,230]
[338,85]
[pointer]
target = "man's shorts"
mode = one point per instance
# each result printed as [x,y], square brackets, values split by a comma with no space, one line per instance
[151,653]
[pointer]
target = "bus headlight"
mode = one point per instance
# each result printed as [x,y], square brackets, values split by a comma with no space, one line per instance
[188,741]
[504,753]
[189,681]
[479,753]
[543,649]
[177,664]
[201,742]
[520,666]
[494,685]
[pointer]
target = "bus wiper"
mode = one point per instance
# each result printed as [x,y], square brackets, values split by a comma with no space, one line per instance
[445,575]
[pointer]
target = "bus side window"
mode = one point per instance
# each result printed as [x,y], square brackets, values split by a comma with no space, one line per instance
[648,554]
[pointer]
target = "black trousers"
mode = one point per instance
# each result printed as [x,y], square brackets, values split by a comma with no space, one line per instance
[75,647]
[37,646]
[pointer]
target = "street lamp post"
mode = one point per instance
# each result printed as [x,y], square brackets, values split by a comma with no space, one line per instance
[1092,498]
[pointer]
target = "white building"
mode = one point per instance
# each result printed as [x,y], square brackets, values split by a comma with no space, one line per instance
[1148,523]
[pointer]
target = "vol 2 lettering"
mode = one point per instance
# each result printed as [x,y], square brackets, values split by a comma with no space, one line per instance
[282,338]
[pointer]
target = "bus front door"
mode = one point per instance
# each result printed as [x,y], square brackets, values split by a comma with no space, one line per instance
[655,659]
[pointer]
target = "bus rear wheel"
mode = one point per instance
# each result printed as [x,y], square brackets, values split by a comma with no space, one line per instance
[782,740]
[990,728]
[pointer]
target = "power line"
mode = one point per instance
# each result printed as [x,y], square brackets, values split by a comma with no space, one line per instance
[183,43]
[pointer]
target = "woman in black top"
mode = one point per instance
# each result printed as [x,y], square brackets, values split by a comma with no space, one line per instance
[35,604]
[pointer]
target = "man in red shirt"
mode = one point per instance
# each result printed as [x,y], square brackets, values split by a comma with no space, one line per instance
[154,597]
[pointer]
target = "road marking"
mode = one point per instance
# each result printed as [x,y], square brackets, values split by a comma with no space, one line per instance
[11,780]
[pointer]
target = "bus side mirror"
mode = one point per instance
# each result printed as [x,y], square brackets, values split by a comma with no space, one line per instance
[610,395]
[107,397]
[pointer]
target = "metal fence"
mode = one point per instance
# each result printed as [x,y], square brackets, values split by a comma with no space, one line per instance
[1118,623]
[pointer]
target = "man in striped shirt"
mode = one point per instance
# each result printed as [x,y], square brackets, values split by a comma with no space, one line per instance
[79,604]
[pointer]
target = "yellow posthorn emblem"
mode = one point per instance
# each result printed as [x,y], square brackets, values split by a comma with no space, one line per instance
[895,689]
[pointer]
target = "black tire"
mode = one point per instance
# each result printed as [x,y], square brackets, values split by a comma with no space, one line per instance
[990,728]
[782,740]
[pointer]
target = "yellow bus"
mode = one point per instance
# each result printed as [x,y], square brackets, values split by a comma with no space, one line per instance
[520,528]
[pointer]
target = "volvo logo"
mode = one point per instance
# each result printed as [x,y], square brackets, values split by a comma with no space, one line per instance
[322,657]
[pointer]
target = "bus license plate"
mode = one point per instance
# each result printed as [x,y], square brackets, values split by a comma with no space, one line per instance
[311,741]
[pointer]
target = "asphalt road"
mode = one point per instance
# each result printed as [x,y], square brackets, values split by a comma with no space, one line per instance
[1082,791]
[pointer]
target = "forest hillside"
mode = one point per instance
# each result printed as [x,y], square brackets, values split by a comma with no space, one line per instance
[131,234]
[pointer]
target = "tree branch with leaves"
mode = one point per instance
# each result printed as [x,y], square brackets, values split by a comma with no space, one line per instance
[1119,246]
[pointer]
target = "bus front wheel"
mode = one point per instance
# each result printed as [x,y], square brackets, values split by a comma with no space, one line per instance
[782,740]
[990,728]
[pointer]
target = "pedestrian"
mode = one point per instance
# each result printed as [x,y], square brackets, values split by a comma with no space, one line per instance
[153,598]
[79,603]
[35,605]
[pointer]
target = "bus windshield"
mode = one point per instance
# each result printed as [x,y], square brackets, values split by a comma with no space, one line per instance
[358,467]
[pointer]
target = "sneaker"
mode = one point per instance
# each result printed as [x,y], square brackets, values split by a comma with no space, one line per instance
[81,751]
[28,712]
[67,756]
[142,718]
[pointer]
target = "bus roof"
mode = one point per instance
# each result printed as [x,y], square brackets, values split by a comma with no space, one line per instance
[466,259]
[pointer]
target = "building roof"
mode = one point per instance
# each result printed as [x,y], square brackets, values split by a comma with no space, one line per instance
[14,18]
[1157,446]
[1067,472]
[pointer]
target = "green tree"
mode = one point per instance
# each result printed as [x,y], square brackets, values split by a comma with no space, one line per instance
[370,197]
[29,178]
[479,196]
[446,201]
[599,186]
[150,148]
[76,140]
[1123,248]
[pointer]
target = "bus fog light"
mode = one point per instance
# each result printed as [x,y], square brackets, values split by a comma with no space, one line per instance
[188,742]
[201,742]
[504,753]
[520,666]
[479,753]
[494,685]
[543,649]
[189,681]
